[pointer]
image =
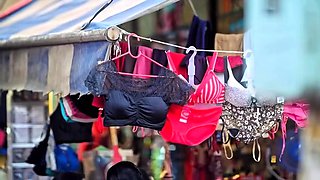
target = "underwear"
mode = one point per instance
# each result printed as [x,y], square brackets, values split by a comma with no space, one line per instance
[189,125]
[73,113]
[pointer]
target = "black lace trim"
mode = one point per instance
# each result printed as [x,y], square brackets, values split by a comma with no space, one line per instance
[170,87]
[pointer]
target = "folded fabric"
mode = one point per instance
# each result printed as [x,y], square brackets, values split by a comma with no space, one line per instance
[70,113]
[80,108]
[228,42]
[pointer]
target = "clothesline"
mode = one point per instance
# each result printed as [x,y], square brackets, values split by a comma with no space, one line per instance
[245,53]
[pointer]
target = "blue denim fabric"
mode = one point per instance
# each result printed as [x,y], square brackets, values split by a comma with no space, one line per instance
[4,66]
[37,69]
[85,57]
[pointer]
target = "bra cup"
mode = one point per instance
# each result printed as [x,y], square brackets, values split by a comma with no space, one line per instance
[119,105]
[152,109]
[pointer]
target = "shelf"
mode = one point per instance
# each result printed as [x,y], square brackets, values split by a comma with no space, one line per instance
[22,165]
[21,125]
[23,145]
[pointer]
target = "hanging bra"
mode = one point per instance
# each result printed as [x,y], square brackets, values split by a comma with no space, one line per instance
[189,124]
[245,119]
[136,101]
[210,90]
[239,96]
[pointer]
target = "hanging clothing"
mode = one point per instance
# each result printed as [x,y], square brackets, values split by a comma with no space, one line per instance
[37,70]
[176,59]
[120,61]
[136,101]
[161,57]
[130,62]
[79,108]
[191,125]
[59,69]
[200,35]
[298,112]
[201,66]
[83,61]
[211,89]
[229,42]
[143,66]
[18,69]
[65,132]
[237,71]
[248,118]
[247,45]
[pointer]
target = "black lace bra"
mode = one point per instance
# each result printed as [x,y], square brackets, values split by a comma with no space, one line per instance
[136,101]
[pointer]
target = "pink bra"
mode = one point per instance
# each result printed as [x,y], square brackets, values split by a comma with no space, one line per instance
[210,90]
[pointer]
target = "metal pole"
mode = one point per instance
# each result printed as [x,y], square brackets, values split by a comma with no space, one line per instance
[54,39]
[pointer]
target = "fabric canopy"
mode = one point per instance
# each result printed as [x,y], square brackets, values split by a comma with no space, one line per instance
[60,68]
[42,17]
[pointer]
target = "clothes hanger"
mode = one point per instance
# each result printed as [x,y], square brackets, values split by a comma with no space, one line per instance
[191,66]
[135,57]
[246,53]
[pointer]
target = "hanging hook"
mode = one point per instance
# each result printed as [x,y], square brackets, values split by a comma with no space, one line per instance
[191,66]
[129,45]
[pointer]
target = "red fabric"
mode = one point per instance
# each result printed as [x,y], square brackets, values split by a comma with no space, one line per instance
[174,61]
[210,90]
[190,125]
[120,61]
[2,138]
[98,101]
[298,112]
[15,8]
[143,65]
[235,61]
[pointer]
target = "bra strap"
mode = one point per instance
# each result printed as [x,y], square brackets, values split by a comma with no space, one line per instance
[256,143]
[170,63]
[226,145]
[213,61]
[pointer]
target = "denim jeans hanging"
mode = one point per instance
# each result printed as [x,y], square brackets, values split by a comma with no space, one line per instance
[60,60]
[37,69]
[4,66]
[85,57]
[18,69]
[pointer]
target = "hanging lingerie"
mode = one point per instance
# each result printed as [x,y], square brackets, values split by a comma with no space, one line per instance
[137,101]
[65,132]
[248,118]
[189,124]
[79,108]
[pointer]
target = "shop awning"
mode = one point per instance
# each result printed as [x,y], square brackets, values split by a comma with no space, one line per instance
[42,46]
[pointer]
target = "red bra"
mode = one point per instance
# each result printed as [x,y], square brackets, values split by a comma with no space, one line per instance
[210,90]
[191,125]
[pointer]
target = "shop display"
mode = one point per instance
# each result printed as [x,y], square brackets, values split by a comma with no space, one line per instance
[190,111]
